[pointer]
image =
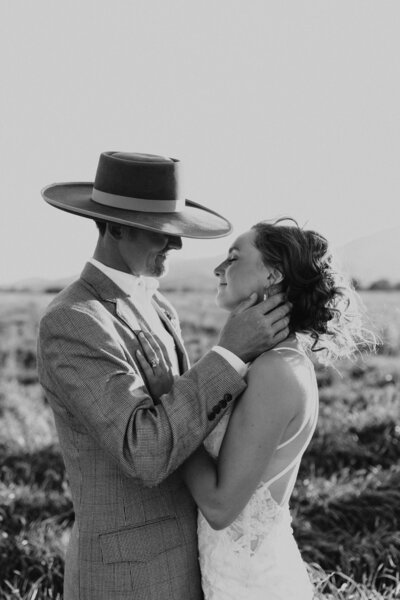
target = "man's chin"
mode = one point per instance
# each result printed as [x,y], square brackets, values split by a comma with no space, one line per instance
[160,266]
[161,273]
[159,270]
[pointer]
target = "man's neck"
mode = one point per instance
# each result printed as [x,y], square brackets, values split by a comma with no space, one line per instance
[110,259]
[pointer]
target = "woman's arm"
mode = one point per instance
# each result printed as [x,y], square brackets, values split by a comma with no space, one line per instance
[260,417]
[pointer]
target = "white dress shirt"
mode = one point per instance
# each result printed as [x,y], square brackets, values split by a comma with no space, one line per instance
[141,290]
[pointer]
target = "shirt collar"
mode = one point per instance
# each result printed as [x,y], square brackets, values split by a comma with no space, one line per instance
[136,286]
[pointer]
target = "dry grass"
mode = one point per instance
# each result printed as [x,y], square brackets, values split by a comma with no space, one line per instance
[346,505]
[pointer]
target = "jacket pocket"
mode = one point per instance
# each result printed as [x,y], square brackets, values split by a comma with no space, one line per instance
[140,543]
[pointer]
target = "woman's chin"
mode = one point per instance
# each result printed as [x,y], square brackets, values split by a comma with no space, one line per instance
[225,303]
[222,302]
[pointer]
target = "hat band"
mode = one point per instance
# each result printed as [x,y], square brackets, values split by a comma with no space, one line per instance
[137,204]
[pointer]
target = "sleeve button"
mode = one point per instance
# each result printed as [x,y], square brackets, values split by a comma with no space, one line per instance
[228,397]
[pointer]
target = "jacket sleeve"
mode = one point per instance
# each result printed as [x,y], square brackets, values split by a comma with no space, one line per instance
[85,370]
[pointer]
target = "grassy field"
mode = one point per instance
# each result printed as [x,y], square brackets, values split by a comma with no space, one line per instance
[346,504]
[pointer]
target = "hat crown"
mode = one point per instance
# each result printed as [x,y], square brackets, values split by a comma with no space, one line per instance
[134,175]
[140,157]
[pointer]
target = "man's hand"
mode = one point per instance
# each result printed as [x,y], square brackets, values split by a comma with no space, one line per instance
[158,372]
[255,328]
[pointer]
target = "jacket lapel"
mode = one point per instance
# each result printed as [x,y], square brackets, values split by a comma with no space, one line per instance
[108,291]
[103,286]
[126,311]
[168,321]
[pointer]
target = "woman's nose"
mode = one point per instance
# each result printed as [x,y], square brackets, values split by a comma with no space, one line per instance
[220,269]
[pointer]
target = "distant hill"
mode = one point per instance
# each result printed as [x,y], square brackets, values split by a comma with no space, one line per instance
[195,274]
[38,285]
[373,257]
[367,259]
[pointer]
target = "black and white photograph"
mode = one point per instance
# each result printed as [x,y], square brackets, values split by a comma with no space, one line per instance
[200,300]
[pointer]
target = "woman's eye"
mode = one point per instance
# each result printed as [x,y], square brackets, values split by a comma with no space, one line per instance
[230,260]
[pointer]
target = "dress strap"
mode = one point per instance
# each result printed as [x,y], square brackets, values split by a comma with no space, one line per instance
[298,432]
[299,454]
[294,436]
[283,472]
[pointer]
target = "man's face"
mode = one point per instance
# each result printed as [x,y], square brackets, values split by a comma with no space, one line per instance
[145,252]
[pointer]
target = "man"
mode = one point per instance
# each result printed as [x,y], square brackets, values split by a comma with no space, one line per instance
[135,530]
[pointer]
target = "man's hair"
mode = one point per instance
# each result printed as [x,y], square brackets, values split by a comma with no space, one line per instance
[101,226]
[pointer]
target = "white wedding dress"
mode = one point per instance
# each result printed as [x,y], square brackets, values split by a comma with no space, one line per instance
[256,557]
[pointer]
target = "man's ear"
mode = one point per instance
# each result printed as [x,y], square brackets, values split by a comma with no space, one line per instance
[115,230]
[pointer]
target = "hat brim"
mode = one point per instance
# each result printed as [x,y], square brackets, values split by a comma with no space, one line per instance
[194,221]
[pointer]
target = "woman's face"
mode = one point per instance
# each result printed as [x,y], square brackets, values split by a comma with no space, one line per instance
[242,273]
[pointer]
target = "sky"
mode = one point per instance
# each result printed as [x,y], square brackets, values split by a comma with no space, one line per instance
[286,107]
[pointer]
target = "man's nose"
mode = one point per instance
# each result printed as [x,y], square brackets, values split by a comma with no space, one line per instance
[174,242]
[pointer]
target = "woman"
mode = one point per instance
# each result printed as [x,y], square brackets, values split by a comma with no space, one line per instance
[243,476]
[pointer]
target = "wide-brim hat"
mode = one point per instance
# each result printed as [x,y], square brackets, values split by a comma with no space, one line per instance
[138,190]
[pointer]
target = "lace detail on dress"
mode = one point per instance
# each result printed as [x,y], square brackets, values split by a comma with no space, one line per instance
[250,529]
[253,524]
[256,557]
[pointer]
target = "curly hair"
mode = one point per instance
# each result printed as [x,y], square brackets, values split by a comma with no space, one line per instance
[326,309]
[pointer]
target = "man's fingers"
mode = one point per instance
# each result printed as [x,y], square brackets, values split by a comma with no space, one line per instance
[149,337]
[270,303]
[280,324]
[148,340]
[157,349]
[245,304]
[152,352]
[143,362]
[279,314]
[149,349]
[281,335]
[275,288]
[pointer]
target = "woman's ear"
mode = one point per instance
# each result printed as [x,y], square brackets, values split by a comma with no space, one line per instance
[275,276]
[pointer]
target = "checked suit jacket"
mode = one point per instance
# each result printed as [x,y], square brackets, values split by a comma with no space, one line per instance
[135,531]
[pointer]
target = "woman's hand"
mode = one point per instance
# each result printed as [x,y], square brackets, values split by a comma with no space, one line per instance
[158,372]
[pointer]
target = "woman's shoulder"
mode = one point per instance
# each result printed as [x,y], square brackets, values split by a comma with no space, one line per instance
[281,375]
[267,362]
[285,359]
